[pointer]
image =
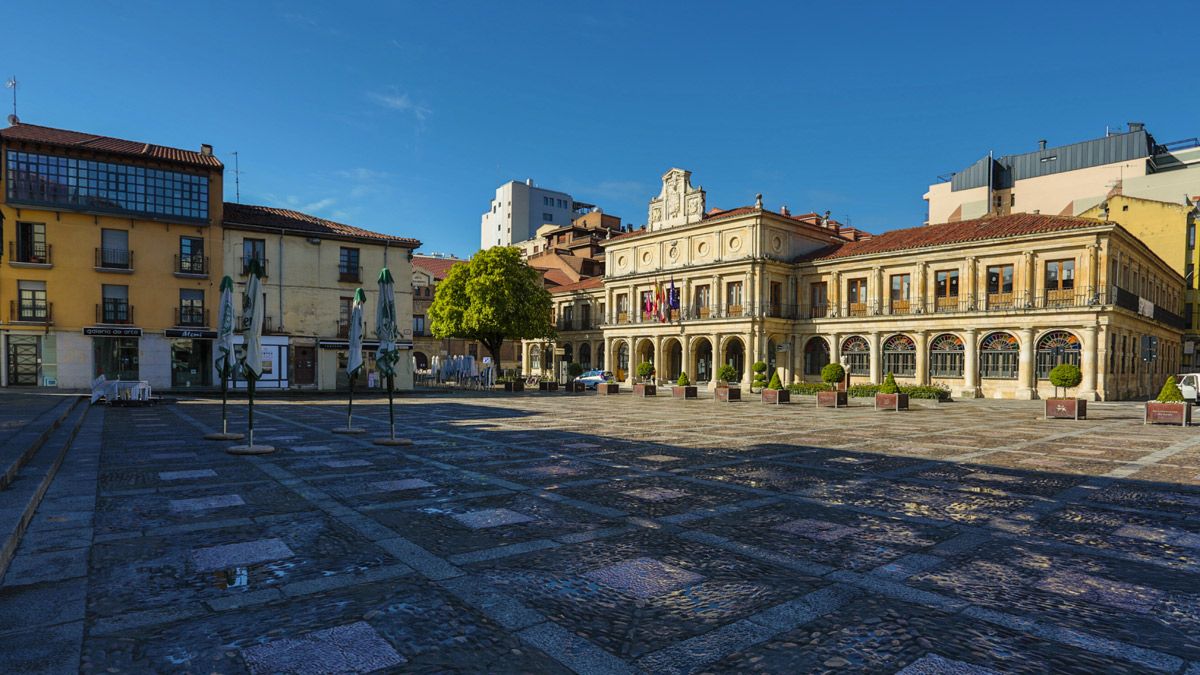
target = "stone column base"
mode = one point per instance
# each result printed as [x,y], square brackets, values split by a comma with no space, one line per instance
[967,392]
[1088,395]
[1026,394]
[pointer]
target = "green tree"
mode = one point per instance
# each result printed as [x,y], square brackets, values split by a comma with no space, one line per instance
[491,298]
[1170,392]
[1065,376]
[833,373]
[683,380]
[776,383]
[889,385]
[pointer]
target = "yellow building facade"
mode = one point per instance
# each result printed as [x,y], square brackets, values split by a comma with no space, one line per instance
[111,256]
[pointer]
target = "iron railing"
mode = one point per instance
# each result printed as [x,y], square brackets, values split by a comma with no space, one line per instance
[350,274]
[187,315]
[245,264]
[34,253]
[34,312]
[191,263]
[114,259]
[114,311]
[343,329]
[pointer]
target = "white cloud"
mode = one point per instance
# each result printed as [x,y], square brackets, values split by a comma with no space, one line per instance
[318,205]
[393,99]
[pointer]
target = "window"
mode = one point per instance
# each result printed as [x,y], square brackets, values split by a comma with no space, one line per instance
[345,309]
[622,308]
[568,317]
[775,294]
[818,298]
[1191,235]
[31,301]
[546,201]
[253,249]
[946,356]
[114,249]
[105,186]
[733,298]
[115,305]
[31,244]
[901,287]
[418,324]
[647,301]
[856,297]
[816,355]
[999,285]
[703,300]
[1060,275]
[1055,347]
[547,217]
[191,307]
[348,268]
[191,256]
[585,316]
[945,290]
[900,356]
[858,355]
[999,357]
[623,360]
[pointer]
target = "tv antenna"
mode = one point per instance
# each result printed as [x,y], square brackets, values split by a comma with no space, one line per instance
[237,179]
[11,83]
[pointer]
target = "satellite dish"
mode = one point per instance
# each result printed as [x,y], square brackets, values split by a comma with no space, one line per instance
[13,120]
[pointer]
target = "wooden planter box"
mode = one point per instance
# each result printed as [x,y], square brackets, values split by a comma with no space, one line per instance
[547,386]
[832,399]
[727,394]
[1066,408]
[514,386]
[891,401]
[684,392]
[573,387]
[606,389]
[1168,413]
[644,390]
[776,396]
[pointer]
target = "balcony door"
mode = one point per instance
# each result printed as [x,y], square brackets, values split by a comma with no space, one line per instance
[31,243]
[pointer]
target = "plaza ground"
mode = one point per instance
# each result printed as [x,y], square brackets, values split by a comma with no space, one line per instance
[553,532]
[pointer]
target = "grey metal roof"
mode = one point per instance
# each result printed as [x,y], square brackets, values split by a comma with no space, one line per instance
[1117,147]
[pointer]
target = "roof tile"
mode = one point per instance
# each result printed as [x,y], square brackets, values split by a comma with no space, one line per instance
[33,133]
[287,219]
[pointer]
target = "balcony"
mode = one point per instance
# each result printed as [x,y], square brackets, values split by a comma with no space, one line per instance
[29,253]
[343,329]
[31,312]
[191,265]
[244,262]
[349,274]
[114,260]
[111,311]
[191,317]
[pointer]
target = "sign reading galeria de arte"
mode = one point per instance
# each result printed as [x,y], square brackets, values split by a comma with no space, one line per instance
[105,331]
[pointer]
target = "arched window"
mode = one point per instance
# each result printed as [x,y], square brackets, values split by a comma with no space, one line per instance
[900,356]
[946,356]
[816,355]
[1055,347]
[585,356]
[623,359]
[858,355]
[999,356]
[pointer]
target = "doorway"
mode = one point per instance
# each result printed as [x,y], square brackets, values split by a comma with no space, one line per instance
[306,366]
[24,352]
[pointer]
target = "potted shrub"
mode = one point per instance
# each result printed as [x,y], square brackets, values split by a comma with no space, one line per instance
[645,371]
[683,388]
[725,375]
[759,381]
[889,396]
[774,392]
[574,370]
[1065,376]
[1170,406]
[833,374]
[547,385]
[608,387]
[512,383]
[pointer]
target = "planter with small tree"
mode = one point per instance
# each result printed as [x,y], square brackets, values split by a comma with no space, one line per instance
[889,396]
[608,388]
[833,374]
[759,381]
[1065,376]
[645,371]
[774,392]
[1170,407]
[724,392]
[574,370]
[683,388]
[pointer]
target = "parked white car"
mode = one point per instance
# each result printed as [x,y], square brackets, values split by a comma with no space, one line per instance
[594,377]
[1189,384]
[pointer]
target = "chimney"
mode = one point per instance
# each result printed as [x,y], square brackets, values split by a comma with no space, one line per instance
[784,210]
[206,149]
[1042,144]
[1136,126]
[825,220]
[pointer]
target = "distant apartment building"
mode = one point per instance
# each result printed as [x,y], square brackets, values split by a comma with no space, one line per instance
[519,209]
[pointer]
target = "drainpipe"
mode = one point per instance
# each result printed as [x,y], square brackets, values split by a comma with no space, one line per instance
[281,329]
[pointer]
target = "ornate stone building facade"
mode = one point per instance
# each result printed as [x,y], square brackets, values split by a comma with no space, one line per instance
[985,307]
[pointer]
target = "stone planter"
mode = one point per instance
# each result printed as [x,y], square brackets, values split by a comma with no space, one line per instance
[645,390]
[575,387]
[547,386]
[684,392]
[727,394]
[514,386]
[608,389]
[891,401]
[1066,408]
[776,396]
[1168,413]
[832,399]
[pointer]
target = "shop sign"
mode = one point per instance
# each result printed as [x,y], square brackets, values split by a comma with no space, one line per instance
[190,333]
[102,331]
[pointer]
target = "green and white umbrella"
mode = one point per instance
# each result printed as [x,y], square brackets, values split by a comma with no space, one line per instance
[224,359]
[387,355]
[354,361]
[251,326]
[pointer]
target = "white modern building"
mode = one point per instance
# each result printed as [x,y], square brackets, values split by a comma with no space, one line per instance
[519,209]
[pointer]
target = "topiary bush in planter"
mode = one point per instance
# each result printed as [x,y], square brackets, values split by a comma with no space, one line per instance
[726,375]
[1169,407]
[760,376]
[645,371]
[889,396]
[833,374]
[1065,376]
[774,391]
[683,388]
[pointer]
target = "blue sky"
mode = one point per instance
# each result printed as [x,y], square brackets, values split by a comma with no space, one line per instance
[404,117]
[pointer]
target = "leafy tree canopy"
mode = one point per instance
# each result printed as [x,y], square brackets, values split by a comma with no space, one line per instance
[493,297]
[833,373]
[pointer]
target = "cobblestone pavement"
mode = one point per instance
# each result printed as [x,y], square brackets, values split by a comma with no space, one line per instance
[554,533]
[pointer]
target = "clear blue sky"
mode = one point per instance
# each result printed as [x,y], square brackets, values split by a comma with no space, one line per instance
[404,117]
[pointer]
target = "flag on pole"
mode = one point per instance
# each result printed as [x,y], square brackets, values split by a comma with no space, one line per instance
[252,322]
[387,355]
[354,361]
[223,357]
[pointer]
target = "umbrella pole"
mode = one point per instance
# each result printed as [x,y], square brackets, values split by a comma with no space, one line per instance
[224,401]
[250,392]
[391,409]
[350,405]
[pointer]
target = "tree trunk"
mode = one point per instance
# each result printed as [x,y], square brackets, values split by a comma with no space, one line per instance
[493,347]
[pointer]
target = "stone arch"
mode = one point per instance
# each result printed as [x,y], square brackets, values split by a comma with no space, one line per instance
[899,355]
[701,349]
[643,352]
[420,361]
[947,356]
[733,352]
[620,364]
[999,356]
[1055,347]
[816,355]
[857,352]
[585,355]
[672,359]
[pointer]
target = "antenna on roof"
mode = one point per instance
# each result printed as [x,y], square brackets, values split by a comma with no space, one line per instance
[12,84]
[237,179]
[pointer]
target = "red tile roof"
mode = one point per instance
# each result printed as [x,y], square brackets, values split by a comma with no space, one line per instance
[581,285]
[437,267]
[273,218]
[996,227]
[556,277]
[33,133]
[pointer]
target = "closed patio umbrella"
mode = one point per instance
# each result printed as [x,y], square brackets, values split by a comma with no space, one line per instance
[224,360]
[388,354]
[251,361]
[354,356]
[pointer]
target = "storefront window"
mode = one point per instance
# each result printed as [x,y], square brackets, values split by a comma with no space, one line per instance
[191,363]
[116,358]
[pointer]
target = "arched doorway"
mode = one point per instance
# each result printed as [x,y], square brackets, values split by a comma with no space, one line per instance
[673,351]
[622,372]
[900,356]
[420,361]
[735,355]
[645,354]
[703,363]
[816,355]
[585,356]
[1054,348]
[946,356]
